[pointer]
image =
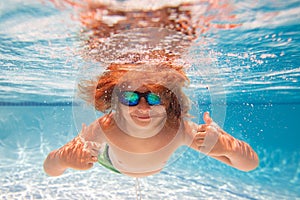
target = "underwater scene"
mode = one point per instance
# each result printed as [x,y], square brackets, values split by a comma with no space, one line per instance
[243,68]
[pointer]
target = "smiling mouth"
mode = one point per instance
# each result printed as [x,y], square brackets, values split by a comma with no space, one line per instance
[143,117]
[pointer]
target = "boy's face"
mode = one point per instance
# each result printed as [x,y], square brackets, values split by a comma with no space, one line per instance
[143,114]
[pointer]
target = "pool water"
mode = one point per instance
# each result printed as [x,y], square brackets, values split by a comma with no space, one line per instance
[254,80]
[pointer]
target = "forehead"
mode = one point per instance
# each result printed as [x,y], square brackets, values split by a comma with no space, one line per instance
[137,80]
[134,86]
[154,80]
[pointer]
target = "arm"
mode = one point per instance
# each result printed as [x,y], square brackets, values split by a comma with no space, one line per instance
[210,139]
[71,155]
[80,153]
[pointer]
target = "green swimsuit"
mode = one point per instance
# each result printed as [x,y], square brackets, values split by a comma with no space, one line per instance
[105,161]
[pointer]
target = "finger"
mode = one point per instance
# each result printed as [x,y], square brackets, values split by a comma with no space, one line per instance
[207,119]
[83,127]
[212,132]
[212,136]
[88,152]
[94,152]
[87,166]
[83,131]
[199,142]
[89,159]
[200,137]
[92,145]
[93,159]
[201,128]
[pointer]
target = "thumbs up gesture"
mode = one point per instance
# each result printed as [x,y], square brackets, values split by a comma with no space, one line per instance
[211,139]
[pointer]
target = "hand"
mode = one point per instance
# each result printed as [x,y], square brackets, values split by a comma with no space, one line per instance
[77,155]
[83,150]
[211,139]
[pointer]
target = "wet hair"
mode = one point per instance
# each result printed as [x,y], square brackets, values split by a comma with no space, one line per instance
[164,79]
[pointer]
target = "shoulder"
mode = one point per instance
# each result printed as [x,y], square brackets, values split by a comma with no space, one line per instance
[95,131]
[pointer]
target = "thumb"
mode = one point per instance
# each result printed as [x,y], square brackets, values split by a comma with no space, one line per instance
[82,133]
[207,119]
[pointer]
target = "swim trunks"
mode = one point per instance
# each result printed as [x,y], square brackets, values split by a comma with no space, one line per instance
[105,161]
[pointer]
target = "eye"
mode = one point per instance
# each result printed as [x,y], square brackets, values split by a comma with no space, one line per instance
[153,99]
[129,98]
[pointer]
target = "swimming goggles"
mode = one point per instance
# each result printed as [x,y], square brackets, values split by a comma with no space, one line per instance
[132,98]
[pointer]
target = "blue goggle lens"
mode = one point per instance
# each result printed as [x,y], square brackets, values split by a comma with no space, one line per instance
[153,99]
[132,98]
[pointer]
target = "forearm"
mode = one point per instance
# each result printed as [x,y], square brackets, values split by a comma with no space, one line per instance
[53,165]
[239,155]
[212,140]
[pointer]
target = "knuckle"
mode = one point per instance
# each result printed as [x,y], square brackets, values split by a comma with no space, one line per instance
[211,128]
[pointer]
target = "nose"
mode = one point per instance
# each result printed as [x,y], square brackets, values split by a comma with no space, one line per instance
[143,105]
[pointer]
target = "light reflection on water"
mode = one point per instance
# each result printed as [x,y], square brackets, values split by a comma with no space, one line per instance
[257,65]
[261,59]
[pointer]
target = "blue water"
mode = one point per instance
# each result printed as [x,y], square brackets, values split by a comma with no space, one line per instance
[254,92]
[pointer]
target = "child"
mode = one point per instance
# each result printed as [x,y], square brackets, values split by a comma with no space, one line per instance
[147,120]
[146,110]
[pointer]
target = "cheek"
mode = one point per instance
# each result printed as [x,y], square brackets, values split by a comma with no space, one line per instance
[127,110]
[159,110]
[131,109]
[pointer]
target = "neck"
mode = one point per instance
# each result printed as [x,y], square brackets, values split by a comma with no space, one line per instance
[143,132]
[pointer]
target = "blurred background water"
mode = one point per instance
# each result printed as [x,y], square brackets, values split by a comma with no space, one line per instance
[254,80]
